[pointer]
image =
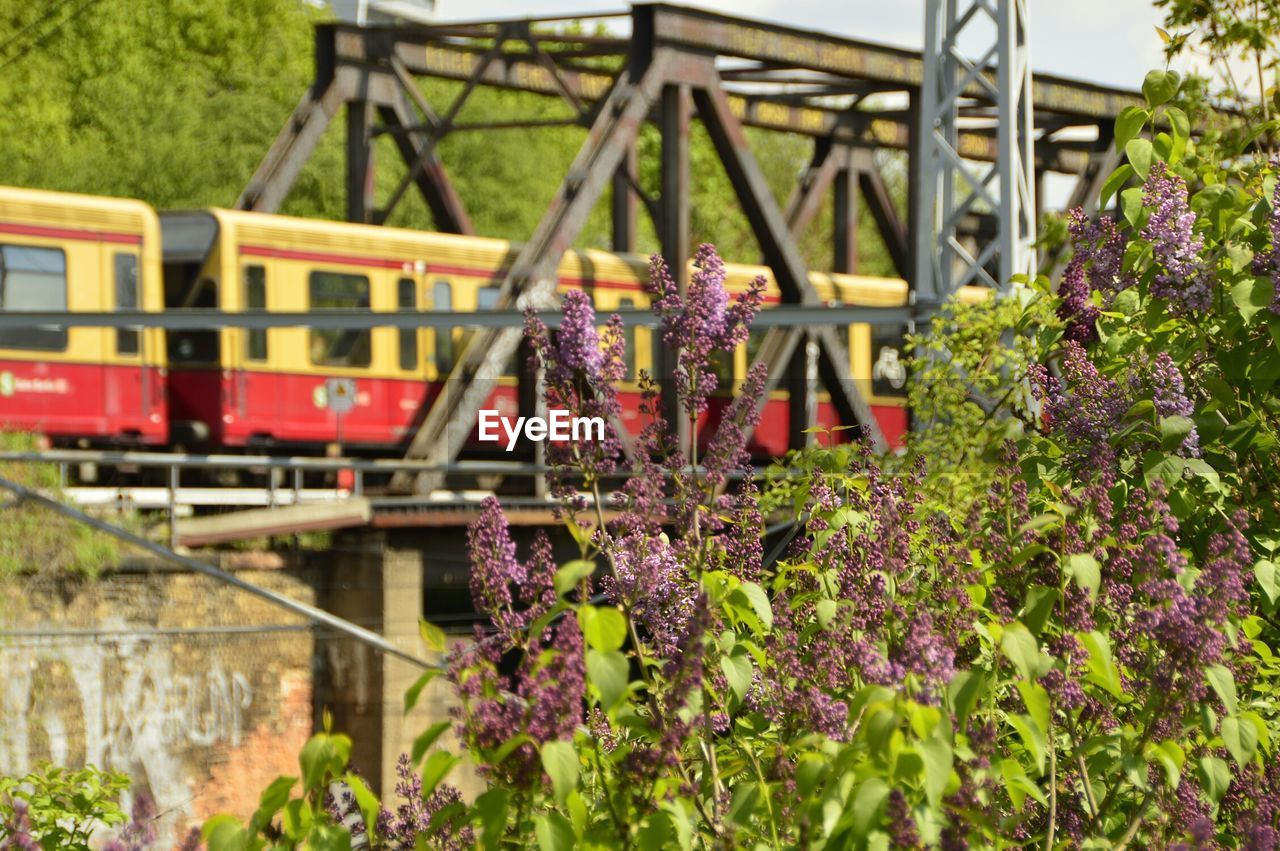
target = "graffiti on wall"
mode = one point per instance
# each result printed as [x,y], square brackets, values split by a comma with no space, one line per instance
[127,700]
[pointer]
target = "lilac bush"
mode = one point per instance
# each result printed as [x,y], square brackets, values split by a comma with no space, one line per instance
[1053,622]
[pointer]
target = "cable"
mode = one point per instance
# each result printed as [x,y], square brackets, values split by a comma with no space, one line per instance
[4,48]
[43,38]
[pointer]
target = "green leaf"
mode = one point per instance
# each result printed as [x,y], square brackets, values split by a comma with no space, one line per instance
[554,832]
[1268,580]
[937,755]
[1171,759]
[1178,122]
[492,809]
[1241,739]
[1224,685]
[1160,86]
[1039,606]
[560,761]
[1173,431]
[825,611]
[868,804]
[296,819]
[415,691]
[224,833]
[1033,738]
[1128,124]
[316,758]
[435,769]
[608,672]
[680,823]
[571,573]
[432,636]
[426,739]
[1037,701]
[759,603]
[1085,571]
[1131,205]
[272,800]
[1200,468]
[1018,785]
[1101,669]
[1215,777]
[1166,468]
[737,670]
[1252,295]
[365,799]
[1019,646]
[1118,178]
[604,627]
[1141,154]
[745,796]
[965,690]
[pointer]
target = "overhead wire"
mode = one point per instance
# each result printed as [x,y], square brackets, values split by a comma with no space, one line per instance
[44,37]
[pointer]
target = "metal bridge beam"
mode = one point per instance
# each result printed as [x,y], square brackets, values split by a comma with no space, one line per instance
[950,184]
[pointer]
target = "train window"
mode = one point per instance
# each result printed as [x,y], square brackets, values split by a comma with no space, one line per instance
[407,302]
[333,347]
[195,347]
[255,301]
[722,365]
[126,271]
[442,301]
[487,299]
[33,279]
[629,334]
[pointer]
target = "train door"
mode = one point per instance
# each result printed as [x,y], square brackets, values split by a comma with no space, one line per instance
[254,390]
[126,384]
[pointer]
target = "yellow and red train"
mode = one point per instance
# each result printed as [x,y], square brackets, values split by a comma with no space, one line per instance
[238,387]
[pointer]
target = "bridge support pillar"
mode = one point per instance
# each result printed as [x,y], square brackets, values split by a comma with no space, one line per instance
[379,587]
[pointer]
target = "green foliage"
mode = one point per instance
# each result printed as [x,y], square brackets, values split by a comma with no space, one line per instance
[175,102]
[58,808]
[33,542]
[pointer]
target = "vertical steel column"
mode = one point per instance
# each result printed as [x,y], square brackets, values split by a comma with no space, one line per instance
[674,125]
[623,204]
[673,223]
[948,187]
[844,237]
[360,204]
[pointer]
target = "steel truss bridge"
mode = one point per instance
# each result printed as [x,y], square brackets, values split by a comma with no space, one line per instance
[661,65]
[666,66]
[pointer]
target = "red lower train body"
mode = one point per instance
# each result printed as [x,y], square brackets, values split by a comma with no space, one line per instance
[99,403]
[246,408]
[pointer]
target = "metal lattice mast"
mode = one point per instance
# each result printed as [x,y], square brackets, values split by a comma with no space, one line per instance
[958,94]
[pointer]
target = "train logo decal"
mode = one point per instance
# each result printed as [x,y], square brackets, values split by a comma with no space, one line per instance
[889,367]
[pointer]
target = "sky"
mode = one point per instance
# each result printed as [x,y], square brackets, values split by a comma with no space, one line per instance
[1106,41]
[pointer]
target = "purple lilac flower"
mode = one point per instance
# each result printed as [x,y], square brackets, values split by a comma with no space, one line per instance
[903,833]
[702,322]
[411,821]
[649,580]
[727,450]
[1084,406]
[1169,393]
[582,370]
[18,829]
[494,566]
[1181,277]
[1076,308]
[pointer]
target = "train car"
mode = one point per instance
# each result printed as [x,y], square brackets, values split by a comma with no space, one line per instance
[299,387]
[81,386]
